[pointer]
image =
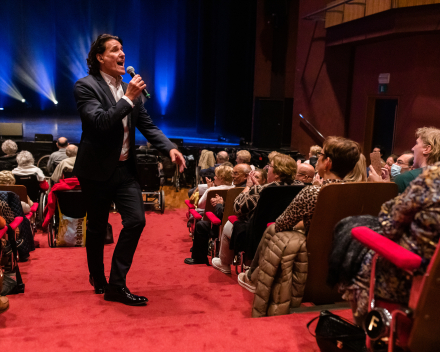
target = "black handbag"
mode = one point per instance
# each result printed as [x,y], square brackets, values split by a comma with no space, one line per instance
[335,334]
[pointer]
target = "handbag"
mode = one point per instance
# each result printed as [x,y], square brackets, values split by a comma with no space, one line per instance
[334,333]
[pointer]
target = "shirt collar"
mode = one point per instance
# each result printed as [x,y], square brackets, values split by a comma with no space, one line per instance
[111,80]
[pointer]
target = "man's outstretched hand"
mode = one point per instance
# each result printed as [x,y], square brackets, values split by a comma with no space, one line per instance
[177,158]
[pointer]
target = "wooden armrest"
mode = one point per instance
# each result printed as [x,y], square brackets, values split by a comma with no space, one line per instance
[189,205]
[214,219]
[391,251]
[195,214]
[233,218]
[34,207]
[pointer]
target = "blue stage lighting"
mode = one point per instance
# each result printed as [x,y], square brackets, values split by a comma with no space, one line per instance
[165,59]
[2,109]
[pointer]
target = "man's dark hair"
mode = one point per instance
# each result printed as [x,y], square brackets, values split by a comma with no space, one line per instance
[98,47]
[382,149]
[344,154]
[63,145]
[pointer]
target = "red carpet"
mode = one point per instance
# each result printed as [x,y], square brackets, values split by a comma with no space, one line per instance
[191,308]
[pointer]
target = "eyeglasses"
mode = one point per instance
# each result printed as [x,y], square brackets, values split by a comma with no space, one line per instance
[400,162]
[269,165]
[320,154]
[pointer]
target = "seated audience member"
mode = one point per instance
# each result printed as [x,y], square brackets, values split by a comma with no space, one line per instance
[203,231]
[426,152]
[391,159]
[359,173]
[403,164]
[305,173]
[412,219]
[7,178]
[26,166]
[261,176]
[244,157]
[221,158]
[66,164]
[282,171]
[314,150]
[228,164]
[222,180]
[379,149]
[58,156]
[240,174]
[338,158]
[8,161]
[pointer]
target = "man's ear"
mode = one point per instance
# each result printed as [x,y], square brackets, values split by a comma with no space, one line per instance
[99,57]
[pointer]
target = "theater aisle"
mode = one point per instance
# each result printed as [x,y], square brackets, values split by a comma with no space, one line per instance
[191,308]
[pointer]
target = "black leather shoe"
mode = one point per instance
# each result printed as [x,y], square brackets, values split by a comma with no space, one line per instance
[192,261]
[99,286]
[123,295]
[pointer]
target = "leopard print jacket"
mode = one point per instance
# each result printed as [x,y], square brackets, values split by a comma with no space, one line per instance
[301,208]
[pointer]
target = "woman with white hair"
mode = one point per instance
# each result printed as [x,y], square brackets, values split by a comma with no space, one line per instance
[26,167]
[8,161]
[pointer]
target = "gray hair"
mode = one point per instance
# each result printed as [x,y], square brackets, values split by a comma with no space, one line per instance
[9,147]
[71,150]
[25,158]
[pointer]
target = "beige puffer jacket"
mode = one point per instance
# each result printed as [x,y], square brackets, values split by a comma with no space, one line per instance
[282,273]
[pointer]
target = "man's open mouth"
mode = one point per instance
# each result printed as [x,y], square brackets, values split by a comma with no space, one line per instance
[120,63]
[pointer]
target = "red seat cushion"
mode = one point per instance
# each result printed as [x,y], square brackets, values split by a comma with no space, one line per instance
[29,215]
[189,205]
[195,214]
[34,207]
[270,223]
[214,219]
[391,251]
[233,218]
[17,221]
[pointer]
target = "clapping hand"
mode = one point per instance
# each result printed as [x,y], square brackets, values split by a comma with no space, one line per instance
[209,182]
[216,200]
[317,181]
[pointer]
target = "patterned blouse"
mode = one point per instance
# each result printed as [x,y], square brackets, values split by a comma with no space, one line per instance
[301,208]
[246,202]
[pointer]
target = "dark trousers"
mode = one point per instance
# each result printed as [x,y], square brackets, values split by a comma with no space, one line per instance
[202,233]
[124,191]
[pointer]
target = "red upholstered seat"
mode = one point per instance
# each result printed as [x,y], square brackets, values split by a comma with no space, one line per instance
[214,219]
[270,223]
[29,215]
[13,225]
[189,205]
[195,214]
[386,248]
[233,218]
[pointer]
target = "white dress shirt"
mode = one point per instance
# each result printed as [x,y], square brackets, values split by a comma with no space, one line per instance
[118,93]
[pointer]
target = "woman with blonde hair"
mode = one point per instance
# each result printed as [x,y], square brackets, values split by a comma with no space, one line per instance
[359,173]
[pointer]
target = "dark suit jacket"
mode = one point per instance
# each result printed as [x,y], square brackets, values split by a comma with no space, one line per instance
[103,133]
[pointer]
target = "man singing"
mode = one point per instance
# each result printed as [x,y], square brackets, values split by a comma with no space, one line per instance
[106,163]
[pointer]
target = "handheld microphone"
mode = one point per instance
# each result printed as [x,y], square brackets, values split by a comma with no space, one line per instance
[130,71]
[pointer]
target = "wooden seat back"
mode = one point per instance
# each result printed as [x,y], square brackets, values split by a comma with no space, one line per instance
[229,203]
[211,194]
[336,202]
[19,190]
